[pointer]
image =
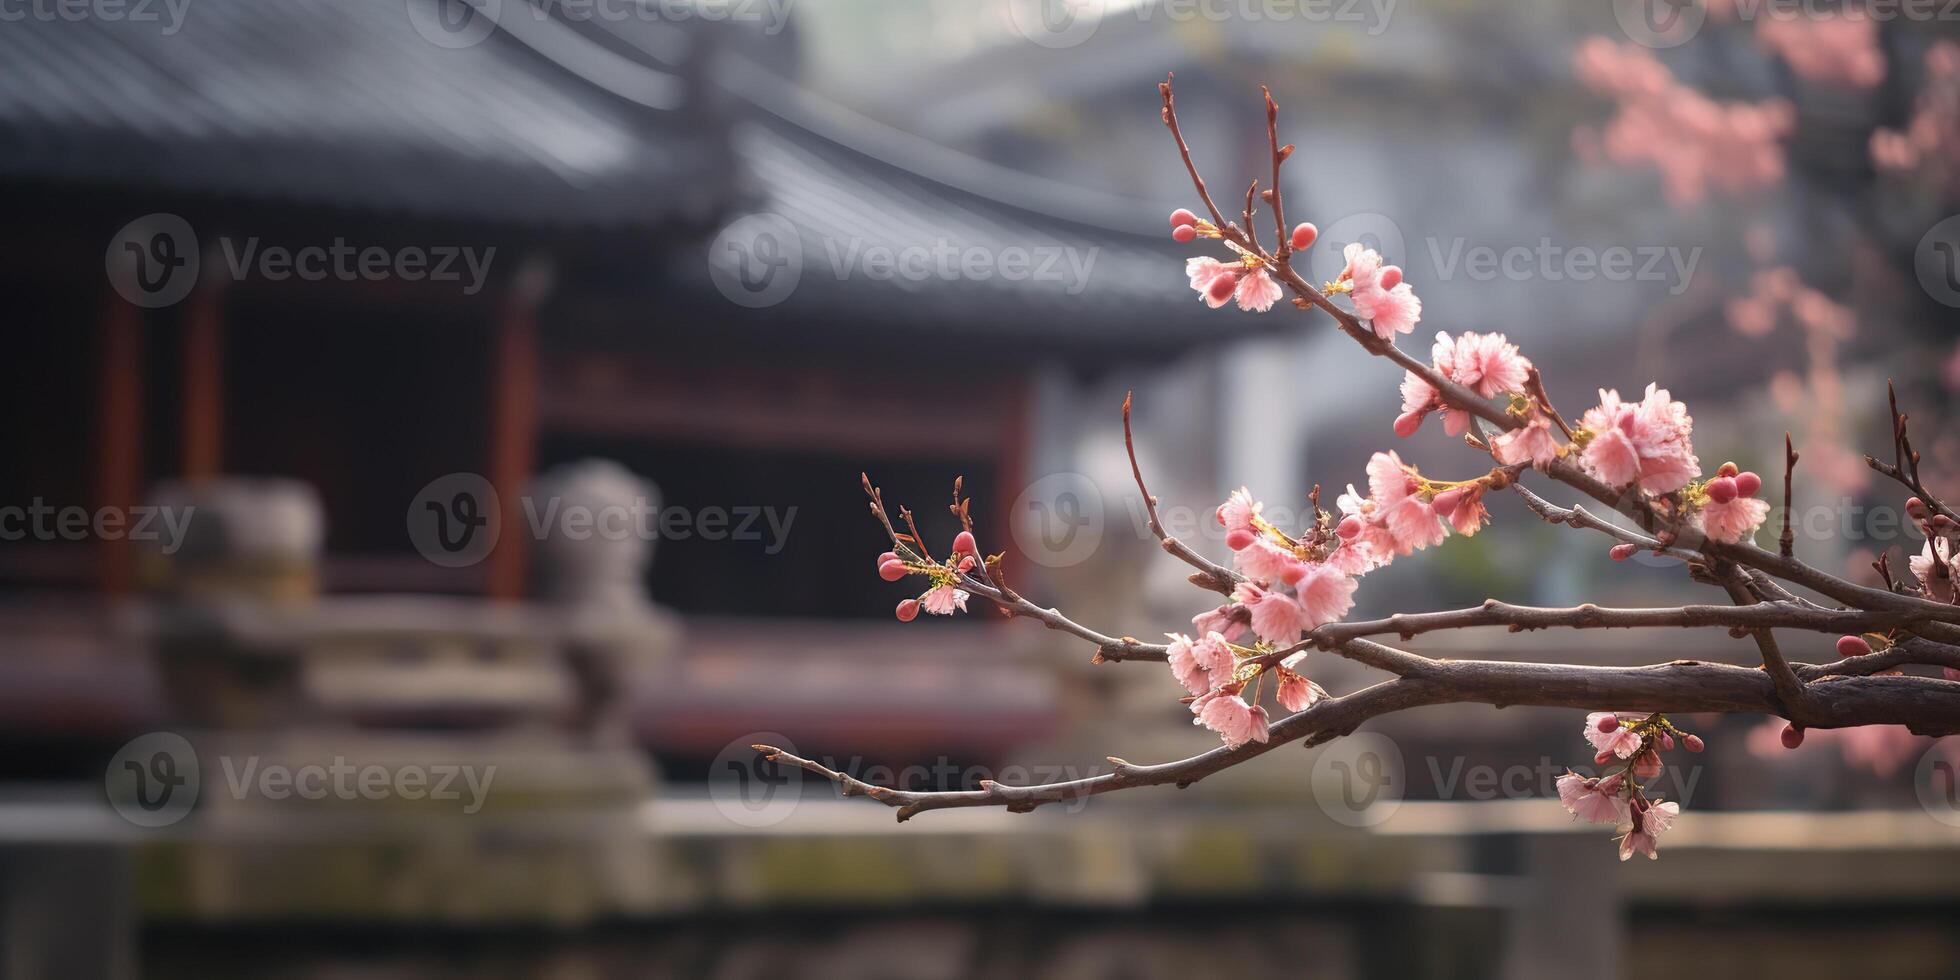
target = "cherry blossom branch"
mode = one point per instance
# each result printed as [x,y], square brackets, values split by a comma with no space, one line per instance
[1928,707]
[1210,574]
[1291,590]
[1904,467]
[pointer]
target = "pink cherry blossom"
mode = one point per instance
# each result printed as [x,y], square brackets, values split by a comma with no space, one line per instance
[1590,800]
[1214,655]
[1238,511]
[1532,443]
[1469,514]
[1621,741]
[1644,828]
[1410,522]
[1235,721]
[1364,266]
[1325,593]
[1184,664]
[1296,693]
[1257,292]
[1732,521]
[1389,311]
[1229,621]
[944,600]
[1935,569]
[1267,562]
[1276,616]
[1647,441]
[1488,364]
[1202,270]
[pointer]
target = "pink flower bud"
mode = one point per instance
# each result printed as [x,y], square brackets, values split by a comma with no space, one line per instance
[1792,736]
[908,610]
[1693,743]
[1915,508]
[1219,515]
[1221,286]
[1293,573]
[1184,233]
[1239,539]
[1407,423]
[892,571]
[1622,552]
[1852,646]
[1667,742]
[963,544]
[887,556]
[1728,469]
[1183,218]
[1391,275]
[1722,489]
[1747,483]
[1445,503]
[1349,527]
[1304,234]
[1609,723]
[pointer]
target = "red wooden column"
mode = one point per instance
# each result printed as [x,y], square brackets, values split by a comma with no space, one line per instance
[204,385]
[514,423]
[119,432]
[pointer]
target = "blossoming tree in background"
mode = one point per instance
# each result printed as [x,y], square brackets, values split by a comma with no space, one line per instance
[1288,592]
[1884,88]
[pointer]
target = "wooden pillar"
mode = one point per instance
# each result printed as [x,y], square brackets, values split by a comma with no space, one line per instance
[514,423]
[204,385]
[119,432]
